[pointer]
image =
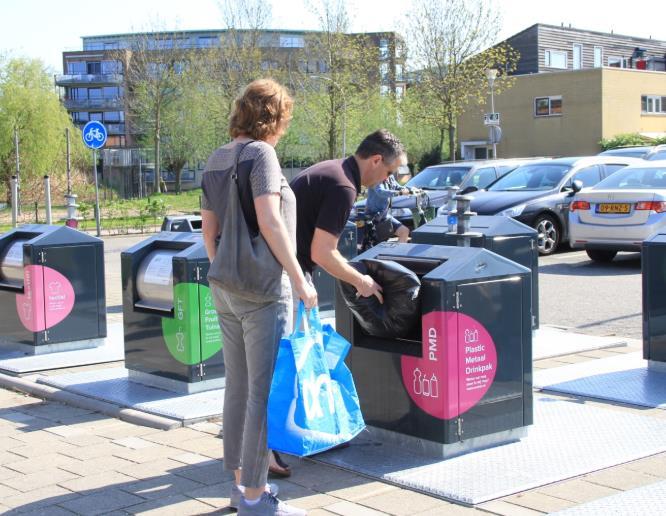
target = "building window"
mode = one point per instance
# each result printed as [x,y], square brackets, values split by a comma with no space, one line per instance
[384,89]
[577,57]
[398,72]
[399,92]
[79,117]
[292,42]
[556,59]
[383,48]
[618,62]
[548,106]
[94,67]
[76,67]
[206,42]
[598,57]
[383,72]
[111,67]
[653,104]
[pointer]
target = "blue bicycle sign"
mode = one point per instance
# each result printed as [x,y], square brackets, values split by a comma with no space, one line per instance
[94,134]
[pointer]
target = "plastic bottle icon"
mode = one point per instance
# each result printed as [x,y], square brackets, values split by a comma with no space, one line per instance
[417,381]
[434,387]
[426,387]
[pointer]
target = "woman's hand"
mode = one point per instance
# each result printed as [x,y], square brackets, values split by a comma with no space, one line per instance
[307,293]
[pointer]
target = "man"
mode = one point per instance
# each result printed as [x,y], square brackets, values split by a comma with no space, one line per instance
[325,194]
[378,205]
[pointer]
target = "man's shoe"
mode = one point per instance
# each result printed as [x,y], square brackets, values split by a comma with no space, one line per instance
[268,505]
[238,491]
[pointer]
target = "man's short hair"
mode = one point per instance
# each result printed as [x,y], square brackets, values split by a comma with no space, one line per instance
[381,142]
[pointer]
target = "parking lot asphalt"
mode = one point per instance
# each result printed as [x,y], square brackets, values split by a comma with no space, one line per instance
[59,459]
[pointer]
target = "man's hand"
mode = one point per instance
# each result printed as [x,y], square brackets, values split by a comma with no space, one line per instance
[367,287]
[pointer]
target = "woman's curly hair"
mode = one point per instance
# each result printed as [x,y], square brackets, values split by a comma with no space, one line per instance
[263,109]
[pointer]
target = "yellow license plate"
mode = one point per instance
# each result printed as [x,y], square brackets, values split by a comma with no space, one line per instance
[614,207]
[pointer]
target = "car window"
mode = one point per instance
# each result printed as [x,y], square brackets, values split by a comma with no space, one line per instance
[531,177]
[481,177]
[438,177]
[635,178]
[611,168]
[657,155]
[589,176]
[504,169]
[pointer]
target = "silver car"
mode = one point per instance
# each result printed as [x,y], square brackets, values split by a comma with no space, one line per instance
[621,211]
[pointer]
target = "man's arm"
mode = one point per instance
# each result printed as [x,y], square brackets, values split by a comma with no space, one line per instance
[324,252]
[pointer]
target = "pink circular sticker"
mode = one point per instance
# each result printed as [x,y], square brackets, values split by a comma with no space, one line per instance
[47,299]
[457,368]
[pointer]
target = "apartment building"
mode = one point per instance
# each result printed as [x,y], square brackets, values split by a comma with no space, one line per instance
[572,88]
[94,86]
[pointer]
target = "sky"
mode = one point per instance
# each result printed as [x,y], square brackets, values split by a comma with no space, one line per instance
[43,29]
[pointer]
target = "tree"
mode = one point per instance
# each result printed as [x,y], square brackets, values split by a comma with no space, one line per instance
[29,104]
[187,129]
[334,78]
[449,44]
[154,68]
[236,60]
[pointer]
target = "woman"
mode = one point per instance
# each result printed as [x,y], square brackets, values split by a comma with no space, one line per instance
[251,328]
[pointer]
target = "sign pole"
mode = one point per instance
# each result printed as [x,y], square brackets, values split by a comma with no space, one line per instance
[97,223]
[18,170]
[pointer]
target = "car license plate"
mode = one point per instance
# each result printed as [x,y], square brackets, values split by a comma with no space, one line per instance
[614,207]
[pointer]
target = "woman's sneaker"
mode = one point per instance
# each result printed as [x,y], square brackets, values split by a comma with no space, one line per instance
[238,491]
[268,505]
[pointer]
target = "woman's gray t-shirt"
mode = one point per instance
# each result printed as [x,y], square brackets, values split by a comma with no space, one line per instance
[265,178]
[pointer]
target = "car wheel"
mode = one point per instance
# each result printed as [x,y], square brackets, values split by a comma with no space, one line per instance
[598,255]
[548,234]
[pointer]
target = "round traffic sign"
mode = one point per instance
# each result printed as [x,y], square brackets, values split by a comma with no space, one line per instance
[94,134]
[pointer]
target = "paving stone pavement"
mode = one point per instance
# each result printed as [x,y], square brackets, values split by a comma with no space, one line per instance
[57,459]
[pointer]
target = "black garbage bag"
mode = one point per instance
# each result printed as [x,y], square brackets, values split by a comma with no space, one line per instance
[402,305]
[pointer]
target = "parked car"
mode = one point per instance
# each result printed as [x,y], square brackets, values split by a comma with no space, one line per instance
[620,212]
[185,223]
[632,151]
[538,194]
[657,153]
[437,181]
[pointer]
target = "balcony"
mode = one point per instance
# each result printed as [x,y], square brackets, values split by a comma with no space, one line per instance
[116,103]
[74,80]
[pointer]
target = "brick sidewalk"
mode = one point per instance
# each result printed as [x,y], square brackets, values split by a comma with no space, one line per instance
[57,459]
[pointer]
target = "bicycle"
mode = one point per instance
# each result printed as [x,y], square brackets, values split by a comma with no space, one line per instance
[378,228]
[93,134]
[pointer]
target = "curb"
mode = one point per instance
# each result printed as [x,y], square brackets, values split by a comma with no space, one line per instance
[109,409]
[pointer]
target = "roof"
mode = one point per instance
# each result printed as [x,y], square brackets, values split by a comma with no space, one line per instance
[599,33]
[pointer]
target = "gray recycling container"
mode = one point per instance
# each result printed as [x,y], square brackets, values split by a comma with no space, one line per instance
[172,334]
[653,262]
[51,287]
[466,369]
[502,235]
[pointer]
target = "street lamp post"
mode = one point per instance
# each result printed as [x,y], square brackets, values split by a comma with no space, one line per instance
[344,111]
[491,75]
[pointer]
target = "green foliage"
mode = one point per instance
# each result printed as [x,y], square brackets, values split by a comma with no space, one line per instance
[156,208]
[29,104]
[433,157]
[629,139]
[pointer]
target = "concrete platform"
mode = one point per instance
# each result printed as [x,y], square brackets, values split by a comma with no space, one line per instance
[567,439]
[625,379]
[110,349]
[642,500]
[113,386]
[549,342]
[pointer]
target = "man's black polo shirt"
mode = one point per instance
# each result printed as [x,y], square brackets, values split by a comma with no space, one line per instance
[325,194]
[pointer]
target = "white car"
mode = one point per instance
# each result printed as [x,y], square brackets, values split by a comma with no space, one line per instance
[621,211]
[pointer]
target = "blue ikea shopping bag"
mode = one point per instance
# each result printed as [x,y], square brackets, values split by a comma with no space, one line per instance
[313,405]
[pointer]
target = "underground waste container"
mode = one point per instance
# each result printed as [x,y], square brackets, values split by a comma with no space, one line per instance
[52,293]
[172,335]
[653,264]
[463,375]
[502,235]
[324,283]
